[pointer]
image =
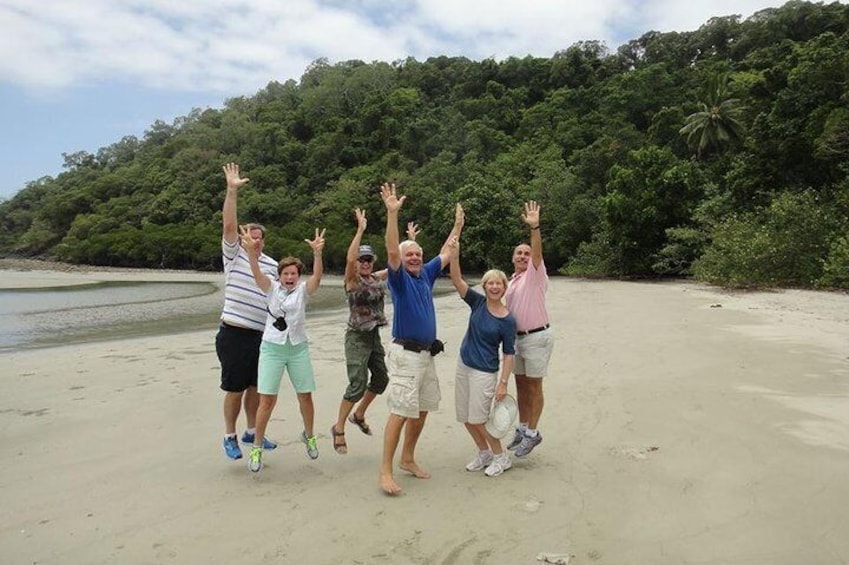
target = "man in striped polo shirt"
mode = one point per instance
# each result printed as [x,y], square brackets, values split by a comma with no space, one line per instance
[242,321]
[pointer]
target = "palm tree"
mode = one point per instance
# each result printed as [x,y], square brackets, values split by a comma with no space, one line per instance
[718,123]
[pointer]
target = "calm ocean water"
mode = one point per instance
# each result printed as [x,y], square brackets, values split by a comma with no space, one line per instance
[47,317]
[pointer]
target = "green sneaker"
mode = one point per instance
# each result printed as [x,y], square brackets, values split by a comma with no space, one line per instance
[255,461]
[312,445]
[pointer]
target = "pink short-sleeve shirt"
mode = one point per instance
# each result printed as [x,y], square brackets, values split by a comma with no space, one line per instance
[525,297]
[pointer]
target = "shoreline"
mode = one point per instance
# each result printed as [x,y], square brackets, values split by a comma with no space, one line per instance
[88,323]
[32,273]
[25,264]
[42,308]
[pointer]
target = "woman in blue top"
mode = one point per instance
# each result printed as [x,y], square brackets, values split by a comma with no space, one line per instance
[490,325]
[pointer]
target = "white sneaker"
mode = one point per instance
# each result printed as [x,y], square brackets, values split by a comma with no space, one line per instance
[480,462]
[500,463]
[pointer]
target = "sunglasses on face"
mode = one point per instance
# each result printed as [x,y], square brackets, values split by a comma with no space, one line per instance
[365,259]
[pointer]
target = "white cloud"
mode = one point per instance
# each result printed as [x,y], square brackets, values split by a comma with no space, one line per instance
[672,15]
[232,46]
[516,27]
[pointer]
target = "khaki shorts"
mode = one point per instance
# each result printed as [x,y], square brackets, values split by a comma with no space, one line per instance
[473,394]
[533,352]
[413,386]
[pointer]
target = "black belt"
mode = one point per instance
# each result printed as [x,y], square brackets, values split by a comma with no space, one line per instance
[535,330]
[224,324]
[412,345]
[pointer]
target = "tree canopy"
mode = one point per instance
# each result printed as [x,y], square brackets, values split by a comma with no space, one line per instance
[721,153]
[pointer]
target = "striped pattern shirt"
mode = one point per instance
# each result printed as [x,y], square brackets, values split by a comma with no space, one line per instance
[244,302]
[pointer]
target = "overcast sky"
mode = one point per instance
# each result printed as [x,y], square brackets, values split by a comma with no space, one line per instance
[81,74]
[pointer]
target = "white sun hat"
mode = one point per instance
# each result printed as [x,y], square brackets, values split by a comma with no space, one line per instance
[501,417]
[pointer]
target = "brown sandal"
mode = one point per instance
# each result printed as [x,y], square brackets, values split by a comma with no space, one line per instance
[340,448]
[360,424]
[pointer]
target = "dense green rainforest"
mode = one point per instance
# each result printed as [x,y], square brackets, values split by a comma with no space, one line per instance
[721,153]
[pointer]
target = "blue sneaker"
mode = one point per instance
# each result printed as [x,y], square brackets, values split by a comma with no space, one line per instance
[231,448]
[248,439]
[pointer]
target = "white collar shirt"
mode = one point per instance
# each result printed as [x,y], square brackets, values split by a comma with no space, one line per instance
[294,305]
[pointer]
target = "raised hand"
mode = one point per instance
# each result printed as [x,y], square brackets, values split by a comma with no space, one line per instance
[454,246]
[459,216]
[412,230]
[317,244]
[531,214]
[248,242]
[231,173]
[390,197]
[361,219]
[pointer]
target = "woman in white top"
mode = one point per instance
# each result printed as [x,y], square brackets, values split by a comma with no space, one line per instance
[284,341]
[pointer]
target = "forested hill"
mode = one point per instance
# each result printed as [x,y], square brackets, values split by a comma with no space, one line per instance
[722,153]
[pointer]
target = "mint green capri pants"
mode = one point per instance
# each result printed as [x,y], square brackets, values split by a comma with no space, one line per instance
[274,358]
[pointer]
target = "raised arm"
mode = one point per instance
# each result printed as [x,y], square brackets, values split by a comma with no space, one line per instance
[317,246]
[412,230]
[456,230]
[456,275]
[234,183]
[251,247]
[531,217]
[393,203]
[353,249]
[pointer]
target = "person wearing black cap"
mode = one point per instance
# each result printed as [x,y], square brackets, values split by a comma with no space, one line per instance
[364,353]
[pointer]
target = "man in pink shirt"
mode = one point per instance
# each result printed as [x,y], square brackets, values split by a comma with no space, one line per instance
[534,340]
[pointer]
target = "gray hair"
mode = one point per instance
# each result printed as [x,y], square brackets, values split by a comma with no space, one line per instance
[402,247]
[260,227]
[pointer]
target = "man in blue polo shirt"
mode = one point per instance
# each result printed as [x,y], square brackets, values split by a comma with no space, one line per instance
[413,388]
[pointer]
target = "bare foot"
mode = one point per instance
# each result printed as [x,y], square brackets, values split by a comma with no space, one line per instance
[413,467]
[388,484]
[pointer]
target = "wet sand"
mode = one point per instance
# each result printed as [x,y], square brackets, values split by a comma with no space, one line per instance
[682,425]
[41,307]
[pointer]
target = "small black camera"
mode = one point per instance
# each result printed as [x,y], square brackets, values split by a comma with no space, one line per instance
[436,347]
[280,323]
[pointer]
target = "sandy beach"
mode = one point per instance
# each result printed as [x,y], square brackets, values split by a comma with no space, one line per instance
[682,425]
